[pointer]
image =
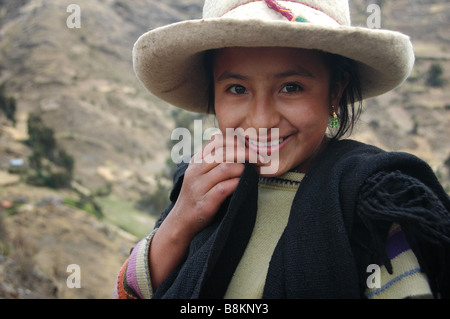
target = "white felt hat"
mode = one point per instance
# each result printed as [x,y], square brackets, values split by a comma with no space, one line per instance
[169,60]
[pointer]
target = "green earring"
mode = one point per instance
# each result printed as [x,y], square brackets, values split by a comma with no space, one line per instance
[334,121]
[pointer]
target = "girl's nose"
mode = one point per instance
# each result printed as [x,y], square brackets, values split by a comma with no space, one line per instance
[263,113]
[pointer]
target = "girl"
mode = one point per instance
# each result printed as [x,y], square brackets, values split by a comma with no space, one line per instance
[333,211]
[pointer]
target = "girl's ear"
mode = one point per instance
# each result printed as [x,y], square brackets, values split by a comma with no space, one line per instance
[338,90]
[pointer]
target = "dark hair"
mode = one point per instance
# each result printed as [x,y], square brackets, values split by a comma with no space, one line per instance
[208,62]
[342,70]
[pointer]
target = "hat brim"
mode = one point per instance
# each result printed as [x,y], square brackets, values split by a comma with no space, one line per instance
[169,60]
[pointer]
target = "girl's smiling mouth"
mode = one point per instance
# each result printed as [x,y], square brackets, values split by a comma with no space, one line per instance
[265,145]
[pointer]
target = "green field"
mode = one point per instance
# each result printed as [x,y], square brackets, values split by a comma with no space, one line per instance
[125,216]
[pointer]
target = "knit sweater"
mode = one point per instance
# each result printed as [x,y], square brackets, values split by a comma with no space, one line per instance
[338,225]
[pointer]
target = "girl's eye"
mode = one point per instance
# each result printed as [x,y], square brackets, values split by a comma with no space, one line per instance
[237,89]
[291,88]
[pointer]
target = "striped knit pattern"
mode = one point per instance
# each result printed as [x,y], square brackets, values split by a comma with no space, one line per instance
[407,280]
[134,281]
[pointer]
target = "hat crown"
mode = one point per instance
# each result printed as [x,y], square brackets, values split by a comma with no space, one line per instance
[338,10]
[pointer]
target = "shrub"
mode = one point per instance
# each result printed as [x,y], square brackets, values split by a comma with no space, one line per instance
[434,78]
[44,147]
[8,105]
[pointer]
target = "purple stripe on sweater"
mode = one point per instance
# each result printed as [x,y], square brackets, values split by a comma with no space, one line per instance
[397,243]
[131,270]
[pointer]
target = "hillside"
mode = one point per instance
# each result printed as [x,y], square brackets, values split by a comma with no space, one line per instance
[45,237]
[82,84]
[413,117]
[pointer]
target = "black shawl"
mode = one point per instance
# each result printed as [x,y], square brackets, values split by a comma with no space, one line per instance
[338,225]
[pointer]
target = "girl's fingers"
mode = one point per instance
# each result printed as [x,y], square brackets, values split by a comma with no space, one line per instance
[201,184]
[225,149]
[221,191]
[220,160]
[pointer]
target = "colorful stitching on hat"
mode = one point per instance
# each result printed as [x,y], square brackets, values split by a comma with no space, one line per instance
[274,5]
[296,18]
[306,5]
[301,18]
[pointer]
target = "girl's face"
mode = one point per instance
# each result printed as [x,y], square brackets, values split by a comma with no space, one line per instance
[284,88]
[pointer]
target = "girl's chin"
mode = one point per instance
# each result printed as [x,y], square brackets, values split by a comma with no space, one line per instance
[271,169]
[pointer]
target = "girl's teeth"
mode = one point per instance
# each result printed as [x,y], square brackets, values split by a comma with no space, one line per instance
[263,144]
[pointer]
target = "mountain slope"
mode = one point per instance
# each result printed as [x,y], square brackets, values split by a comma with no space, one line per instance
[82,83]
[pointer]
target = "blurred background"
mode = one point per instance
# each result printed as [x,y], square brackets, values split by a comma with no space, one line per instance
[85,163]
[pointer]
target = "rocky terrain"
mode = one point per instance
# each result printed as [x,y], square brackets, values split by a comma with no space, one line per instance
[44,238]
[81,82]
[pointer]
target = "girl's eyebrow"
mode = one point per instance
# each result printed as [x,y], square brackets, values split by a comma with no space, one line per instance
[297,72]
[227,75]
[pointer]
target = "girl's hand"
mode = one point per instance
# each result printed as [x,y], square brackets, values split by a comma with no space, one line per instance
[212,176]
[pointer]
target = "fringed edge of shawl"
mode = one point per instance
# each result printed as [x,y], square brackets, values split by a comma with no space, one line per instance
[393,197]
